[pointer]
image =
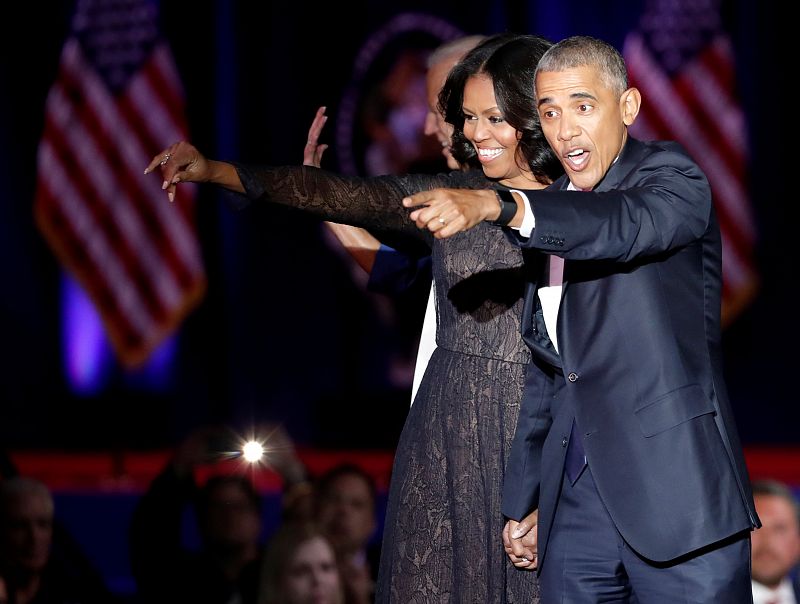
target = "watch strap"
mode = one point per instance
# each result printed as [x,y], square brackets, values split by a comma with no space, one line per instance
[508,207]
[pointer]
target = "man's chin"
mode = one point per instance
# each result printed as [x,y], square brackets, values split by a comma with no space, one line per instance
[582,180]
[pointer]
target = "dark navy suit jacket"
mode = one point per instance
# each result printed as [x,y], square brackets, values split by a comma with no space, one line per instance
[640,363]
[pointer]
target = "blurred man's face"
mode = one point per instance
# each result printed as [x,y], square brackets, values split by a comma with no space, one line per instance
[231,519]
[28,531]
[776,545]
[347,513]
[434,121]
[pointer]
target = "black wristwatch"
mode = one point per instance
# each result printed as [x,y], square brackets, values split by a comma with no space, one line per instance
[508,207]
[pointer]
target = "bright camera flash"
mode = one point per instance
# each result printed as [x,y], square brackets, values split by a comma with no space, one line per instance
[252,451]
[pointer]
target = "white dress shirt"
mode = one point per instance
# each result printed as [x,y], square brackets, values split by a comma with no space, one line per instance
[783,594]
[549,294]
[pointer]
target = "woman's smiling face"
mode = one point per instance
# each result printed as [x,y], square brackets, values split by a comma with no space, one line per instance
[494,139]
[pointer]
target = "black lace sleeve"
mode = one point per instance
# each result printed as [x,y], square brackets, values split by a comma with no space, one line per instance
[372,203]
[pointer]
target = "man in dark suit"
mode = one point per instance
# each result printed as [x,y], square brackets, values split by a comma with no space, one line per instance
[626,481]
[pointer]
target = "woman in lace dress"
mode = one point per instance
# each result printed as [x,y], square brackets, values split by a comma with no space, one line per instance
[443,522]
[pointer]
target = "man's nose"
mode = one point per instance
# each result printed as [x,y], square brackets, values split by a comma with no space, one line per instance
[567,129]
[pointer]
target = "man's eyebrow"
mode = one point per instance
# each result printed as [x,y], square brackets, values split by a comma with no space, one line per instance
[574,96]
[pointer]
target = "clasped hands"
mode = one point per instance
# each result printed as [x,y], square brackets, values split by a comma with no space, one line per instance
[446,212]
[520,541]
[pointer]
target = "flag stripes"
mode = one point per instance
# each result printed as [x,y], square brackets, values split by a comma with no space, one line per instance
[696,106]
[136,255]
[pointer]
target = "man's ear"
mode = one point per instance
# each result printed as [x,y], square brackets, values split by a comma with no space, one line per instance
[629,104]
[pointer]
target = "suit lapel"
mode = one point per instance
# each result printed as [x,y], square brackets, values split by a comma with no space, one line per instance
[631,153]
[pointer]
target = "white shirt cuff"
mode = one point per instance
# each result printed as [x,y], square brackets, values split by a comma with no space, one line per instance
[528,219]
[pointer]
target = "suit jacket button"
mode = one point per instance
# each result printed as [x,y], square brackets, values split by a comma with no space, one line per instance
[572,377]
[564,442]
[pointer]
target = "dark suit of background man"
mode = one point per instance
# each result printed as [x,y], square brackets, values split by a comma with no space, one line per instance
[628,351]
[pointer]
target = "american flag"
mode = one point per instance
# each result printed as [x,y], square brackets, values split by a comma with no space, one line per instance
[117,100]
[682,61]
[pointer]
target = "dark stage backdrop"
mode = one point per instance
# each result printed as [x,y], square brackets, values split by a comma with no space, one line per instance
[285,331]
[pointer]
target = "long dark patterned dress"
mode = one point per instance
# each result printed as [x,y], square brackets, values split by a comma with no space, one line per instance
[442,539]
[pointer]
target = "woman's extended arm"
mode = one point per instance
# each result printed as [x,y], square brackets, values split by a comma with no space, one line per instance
[372,203]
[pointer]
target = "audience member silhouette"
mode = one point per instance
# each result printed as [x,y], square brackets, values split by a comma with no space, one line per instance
[344,504]
[37,567]
[227,511]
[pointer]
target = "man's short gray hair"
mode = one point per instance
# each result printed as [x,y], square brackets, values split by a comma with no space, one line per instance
[16,486]
[578,51]
[454,49]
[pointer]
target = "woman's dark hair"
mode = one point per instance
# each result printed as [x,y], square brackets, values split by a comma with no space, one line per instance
[509,60]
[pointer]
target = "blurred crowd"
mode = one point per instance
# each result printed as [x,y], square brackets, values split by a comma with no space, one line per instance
[324,549]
